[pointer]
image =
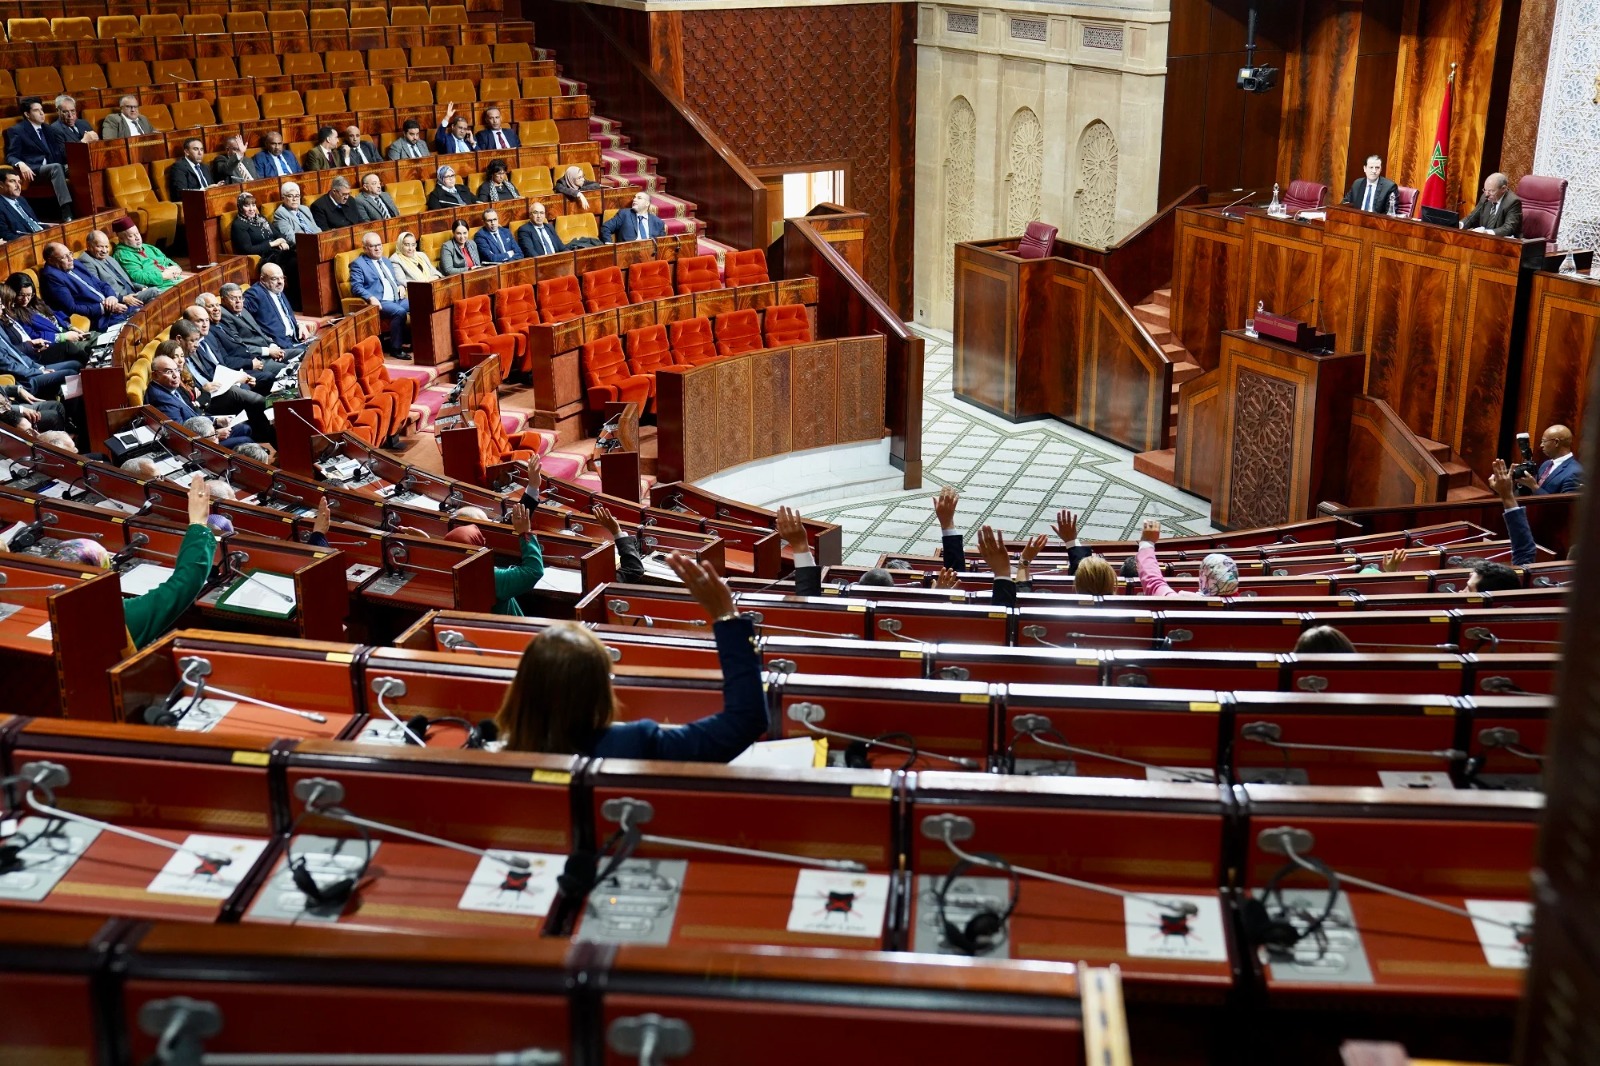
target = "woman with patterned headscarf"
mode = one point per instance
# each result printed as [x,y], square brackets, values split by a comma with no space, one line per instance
[1219,575]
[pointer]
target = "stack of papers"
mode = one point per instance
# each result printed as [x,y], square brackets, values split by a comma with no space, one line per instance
[262,593]
[143,577]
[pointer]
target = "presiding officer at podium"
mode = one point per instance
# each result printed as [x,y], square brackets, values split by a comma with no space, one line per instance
[1499,212]
[1374,192]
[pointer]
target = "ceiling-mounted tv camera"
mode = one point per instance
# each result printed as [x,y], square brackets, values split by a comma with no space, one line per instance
[1257,79]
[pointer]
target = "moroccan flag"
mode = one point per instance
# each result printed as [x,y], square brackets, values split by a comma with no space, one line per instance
[1439,162]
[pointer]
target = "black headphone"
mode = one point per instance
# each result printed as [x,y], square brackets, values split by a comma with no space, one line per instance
[164,712]
[857,752]
[1272,929]
[478,736]
[978,935]
[332,896]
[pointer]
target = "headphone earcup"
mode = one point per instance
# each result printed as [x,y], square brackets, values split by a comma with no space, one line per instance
[855,756]
[336,894]
[1276,935]
[983,927]
[957,938]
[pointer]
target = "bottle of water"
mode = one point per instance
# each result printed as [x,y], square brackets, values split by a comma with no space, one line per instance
[1394,205]
[1569,265]
[1276,206]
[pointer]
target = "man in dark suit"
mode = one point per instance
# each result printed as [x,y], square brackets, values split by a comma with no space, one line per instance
[16,214]
[1499,212]
[166,393]
[271,310]
[96,259]
[274,160]
[68,126]
[373,279]
[495,135]
[190,172]
[31,149]
[336,208]
[455,134]
[1374,192]
[409,145]
[379,205]
[40,379]
[245,345]
[231,164]
[494,243]
[217,397]
[355,152]
[634,224]
[538,237]
[78,292]
[1560,471]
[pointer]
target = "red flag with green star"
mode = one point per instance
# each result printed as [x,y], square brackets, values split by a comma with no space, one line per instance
[1439,164]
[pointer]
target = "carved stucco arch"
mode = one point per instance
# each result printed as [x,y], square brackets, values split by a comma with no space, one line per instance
[1094,201]
[960,183]
[1025,170]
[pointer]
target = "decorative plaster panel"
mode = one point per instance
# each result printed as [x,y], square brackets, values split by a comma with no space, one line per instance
[1569,122]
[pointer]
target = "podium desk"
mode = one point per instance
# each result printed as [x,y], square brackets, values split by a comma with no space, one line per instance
[1208,276]
[1563,325]
[47,982]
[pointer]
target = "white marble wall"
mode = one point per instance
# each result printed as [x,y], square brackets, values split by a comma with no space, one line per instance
[1569,122]
[1033,110]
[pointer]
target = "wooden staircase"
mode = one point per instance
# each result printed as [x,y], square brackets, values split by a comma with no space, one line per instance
[1463,485]
[1156,317]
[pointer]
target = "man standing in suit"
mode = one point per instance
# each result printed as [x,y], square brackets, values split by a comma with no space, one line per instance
[274,160]
[1374,192]
[77,292]
[68,126]
[495,135]
[538,237]
[1560,471]
[292,215]
[495,244]
[231,164]
[166,393]
[270,308]
[373,279]
[35,153]
[204,359]
[336,209]
[190,172]
[354,151]
[1499,212]
[455,134]
[96,259]
[125,121]
[634,224]
[379,205]
[409,145]
[324,155]
[16,216]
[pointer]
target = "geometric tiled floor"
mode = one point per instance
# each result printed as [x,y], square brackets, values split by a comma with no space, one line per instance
[1013,477]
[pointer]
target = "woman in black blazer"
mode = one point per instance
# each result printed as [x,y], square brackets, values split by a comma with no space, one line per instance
[447,192]
[252,234]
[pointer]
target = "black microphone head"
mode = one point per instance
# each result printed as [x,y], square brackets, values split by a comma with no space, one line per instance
[577,879]
[158,714]
[418,724]
[485,732]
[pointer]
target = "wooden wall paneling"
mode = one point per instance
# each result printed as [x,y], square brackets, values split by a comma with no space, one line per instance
[816,394]
[1531,59]
[1124,379]
[1182,132]
[772,407]
[1207,281]
[1318,97]
[1197,458]
[1371,120]
[1387,465]
[986,332]
[702,423]
[736,388]
[1283,267]
[666,47]
[860,390]
[1559,356]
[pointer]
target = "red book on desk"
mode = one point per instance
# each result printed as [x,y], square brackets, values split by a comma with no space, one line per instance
[1292,331]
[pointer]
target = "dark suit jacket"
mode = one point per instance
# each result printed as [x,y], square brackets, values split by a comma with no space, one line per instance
[263,163]
[12,223]
[528,240]
[35,147]
[330,215]
[1380,203]
[1509,221]
[64,133]
[500,248]
[486,139]
[444,143]
[441,198]
[263,309]
[181,175]
[242,338]
[176,403]
[1567,478]
[372,210]
[355,157]
[224,166]
[626,225]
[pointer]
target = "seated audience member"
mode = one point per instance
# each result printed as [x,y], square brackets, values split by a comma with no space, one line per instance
[96,259]
[373,278]
[637,223]
[146,264]
[1391,563]
[37,155]
[39,415]
[992,546]
[1492,577]
[572,184]
[561,700]
[77,292]
[68,128]
[57,439]
[168,394]
[125,121]
[231,166]
[270,306]
[409,145]
[1101,579]
[336,208]
[18,420]
[189,172]
[218,394]
[455,134]
[1524,549]
[1323,640]
[1560,471]
[218,489]
[411,261]
[457,255]
[447,191]
[16,214]
[509,581]
[259,452]
[494,243]
[253,235]
[275,160]
[205,429]
[497,184]
[537,236]
[142,467]
[1499,211]
[379,205]
[353,151]
[494,135]
[245,343]
[292,216]
[324,154]
[631,567]
[1219,575]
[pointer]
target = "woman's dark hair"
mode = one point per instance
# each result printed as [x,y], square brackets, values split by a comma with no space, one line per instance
[461,223]
[244,198]
[17,282]
[1323,640]
[496,166]
[561,699]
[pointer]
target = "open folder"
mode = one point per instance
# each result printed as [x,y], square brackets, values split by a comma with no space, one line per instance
[260,593]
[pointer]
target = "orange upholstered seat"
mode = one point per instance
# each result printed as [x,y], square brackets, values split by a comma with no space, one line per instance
[495,445]
[560,299]
[373,374]
[649,351]
[385,406]
[473,330]
[786,324]
[744,268]
[606,376]
[698,273]
[603,290]
[515,309]
[650,281]
[691,342]
[332,416]
[738,331]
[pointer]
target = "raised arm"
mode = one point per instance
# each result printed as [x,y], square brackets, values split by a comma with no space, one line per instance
[807,574]
[1150,570]
[944,508]
[1524,549]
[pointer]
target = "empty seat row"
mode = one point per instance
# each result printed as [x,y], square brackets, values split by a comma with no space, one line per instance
[355,394]
[164,73]
[290,20]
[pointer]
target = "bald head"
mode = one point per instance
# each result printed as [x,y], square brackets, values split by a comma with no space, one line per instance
[1556,442]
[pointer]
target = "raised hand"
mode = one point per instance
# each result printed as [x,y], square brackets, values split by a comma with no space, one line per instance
[944,507]
[792,530]
[1500,481]
[521,521]
[1031,549]
[1151,531]
[945,579]
[1066,526]
[535,477]
[607,521]
[319,524]
[1393,560]
[704,583]
[992,546]
[199,500]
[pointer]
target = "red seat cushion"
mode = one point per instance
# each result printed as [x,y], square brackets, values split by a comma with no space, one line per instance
[738,331]
[472,329]
[745,268]
[650,281]
[692,343]
[515,309]
[602,289]
[606,376]
[560,299]
[786,324]
[698,273]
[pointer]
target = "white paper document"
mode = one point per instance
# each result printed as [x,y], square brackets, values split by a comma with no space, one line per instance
[499,888]
[1156,934]
[560,579]
[143,577]
[44,632]
[1500,945]
[794,752]
[838,903]
[204,716]
[212,867]
[269,593]
[1414,779]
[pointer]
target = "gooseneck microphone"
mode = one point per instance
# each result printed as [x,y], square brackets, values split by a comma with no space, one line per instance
[384,687]
[135,542]
[27,588]
[192,673]
[1177,636]
[629,813]
[323,797]
[1271,734]
[622,609]
[1039,729]
[809,714]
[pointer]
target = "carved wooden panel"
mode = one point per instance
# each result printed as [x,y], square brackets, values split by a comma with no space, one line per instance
[1559,358]
[1124,381]
[815,394]
[1385,467]
[735,390]
[1342,293]
[1478,384]
[701,444]
[861,394]
[1264,414]
[1284,268]
[1207,282]
[772,400]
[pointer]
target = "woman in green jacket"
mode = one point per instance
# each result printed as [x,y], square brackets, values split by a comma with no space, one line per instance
[509,581]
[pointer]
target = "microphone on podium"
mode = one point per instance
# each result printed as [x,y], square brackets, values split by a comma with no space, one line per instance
[1271,734]
[809,714]
[1039,729]
[323,796]
[28,588]
[629,813]
[192,673]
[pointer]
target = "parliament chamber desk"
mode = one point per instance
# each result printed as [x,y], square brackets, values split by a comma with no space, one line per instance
[1439,312]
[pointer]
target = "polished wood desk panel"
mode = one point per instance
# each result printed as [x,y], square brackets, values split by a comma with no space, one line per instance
[1283,267]
[1559,356]
[1208,275]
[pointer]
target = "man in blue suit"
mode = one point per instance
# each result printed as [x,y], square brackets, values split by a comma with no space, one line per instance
[634,224]
[78,292]
[166,394]
[495,244]
[374,279]
[455,134]
[16,214]
[33,151]
[537,237]
[43,380]
[495,135]
[270,307]
[274,160]
[1560,471]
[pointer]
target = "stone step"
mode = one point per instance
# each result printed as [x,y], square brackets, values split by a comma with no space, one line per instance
[1162,298]
[1184,371]
[1153,312]
[1158,464]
